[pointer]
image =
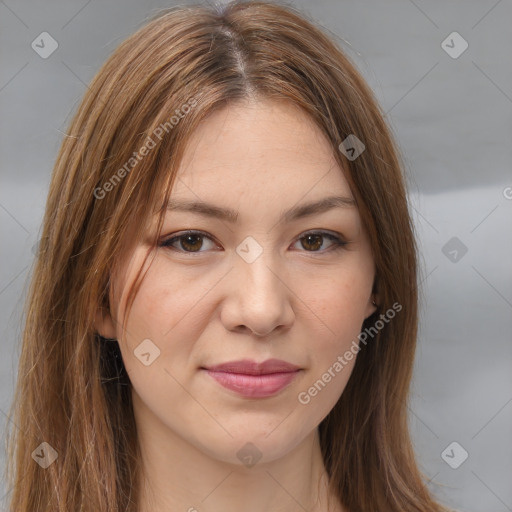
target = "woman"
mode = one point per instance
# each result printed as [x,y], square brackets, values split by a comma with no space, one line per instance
[223,310]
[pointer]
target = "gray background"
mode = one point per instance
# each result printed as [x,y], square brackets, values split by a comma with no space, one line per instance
[453,121]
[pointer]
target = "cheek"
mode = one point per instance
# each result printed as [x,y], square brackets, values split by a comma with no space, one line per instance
[165,313]
[336,312]
[337,302]
[170,309]
[165,300]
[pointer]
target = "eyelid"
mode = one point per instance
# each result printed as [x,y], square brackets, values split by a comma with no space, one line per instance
[337,240]
[167,241]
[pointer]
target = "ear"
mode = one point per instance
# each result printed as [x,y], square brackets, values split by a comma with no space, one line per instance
[373,302]
[104,324]
[370,306]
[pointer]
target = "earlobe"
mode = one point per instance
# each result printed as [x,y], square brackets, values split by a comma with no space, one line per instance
[104,324]
[371,307]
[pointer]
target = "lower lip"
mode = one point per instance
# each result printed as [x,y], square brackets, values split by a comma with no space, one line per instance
[254,386]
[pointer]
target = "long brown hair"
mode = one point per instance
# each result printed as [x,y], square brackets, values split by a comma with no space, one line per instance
[71,390]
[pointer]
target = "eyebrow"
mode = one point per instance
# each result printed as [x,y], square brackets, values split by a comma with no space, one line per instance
[229,215]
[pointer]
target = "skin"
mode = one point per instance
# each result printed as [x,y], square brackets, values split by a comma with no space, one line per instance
[303,302]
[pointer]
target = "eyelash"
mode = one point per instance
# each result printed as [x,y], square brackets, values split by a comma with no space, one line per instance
[337,242]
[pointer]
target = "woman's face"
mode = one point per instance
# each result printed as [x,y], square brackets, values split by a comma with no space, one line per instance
[269,283]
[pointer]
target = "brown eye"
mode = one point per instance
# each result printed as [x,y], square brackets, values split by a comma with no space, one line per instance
[312,242]
[189,242]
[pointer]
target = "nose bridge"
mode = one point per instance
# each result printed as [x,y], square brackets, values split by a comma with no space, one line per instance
[263,301]
[256,268]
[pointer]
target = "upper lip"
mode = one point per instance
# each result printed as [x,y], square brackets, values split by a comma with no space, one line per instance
[249,367]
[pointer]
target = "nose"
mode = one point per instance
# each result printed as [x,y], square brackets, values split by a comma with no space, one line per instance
[258,297]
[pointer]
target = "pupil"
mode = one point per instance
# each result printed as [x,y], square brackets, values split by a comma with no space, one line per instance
[186,242]
[318,239]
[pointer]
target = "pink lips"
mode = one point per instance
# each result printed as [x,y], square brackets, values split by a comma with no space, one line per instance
[254,380]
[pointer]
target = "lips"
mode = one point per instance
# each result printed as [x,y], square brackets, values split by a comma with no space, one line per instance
[252,379]
[248,367]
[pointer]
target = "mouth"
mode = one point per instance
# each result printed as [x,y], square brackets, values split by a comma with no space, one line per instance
[254,380]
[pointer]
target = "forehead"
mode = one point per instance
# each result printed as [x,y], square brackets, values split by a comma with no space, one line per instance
[267,148]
